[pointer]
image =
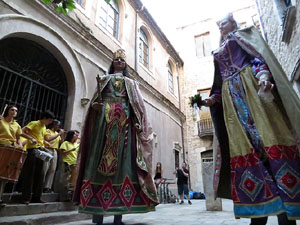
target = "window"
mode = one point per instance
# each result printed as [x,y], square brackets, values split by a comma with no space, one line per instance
[204,113]
[109,17]
[176,159]
[205,125]
[256,21]
[287,14]
[282,7]
[203,45]
[81,3]
[144,49]
[170,78]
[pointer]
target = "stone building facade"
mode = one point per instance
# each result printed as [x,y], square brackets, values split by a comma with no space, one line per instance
[280,23]
[40,46]
[195,42]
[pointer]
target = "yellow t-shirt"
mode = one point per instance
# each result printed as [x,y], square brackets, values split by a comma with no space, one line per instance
[54,143]
[70,157]
[9,132]
[24,141]
[37,131]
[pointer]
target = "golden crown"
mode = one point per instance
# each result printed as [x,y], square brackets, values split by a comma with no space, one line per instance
[228,16]
[120,53]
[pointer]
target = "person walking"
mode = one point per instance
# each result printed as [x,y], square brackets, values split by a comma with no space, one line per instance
[182,175]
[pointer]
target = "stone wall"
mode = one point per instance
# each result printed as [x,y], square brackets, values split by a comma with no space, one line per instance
[288,54]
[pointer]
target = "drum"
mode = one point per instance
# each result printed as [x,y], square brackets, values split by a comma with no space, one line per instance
[11,163]
[43,155]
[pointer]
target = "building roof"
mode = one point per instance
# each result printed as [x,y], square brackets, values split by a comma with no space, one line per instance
[143,12]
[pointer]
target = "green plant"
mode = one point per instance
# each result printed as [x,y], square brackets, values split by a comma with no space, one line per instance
[65,6]
[196,99]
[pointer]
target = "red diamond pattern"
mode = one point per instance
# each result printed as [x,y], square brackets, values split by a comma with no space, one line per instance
[289,180]
[127,192]
[106,195]
[249,184]
[283,152]
[86,193]
[250,159]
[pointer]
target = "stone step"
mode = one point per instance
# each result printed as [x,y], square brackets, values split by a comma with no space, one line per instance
[12,210]
[16,197]
[45,218]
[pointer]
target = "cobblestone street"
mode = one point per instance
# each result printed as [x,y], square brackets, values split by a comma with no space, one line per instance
[175,214]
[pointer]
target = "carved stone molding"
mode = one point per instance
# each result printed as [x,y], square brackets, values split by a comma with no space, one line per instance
[84,101]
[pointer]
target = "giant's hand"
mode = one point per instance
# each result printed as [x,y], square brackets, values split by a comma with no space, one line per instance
[267,85]
[208,102]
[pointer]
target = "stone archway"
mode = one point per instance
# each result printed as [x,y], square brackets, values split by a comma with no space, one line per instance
[32,79]
[28,28]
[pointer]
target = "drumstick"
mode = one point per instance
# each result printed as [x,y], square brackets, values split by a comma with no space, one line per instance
[4,109]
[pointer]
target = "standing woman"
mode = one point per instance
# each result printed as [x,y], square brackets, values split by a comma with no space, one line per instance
[69,149]
[10,132]
[54,135]
[158,177]
[256,117]
[116,150]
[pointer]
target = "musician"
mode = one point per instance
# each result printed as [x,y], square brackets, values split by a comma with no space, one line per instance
[32,172]
[54,135]
[10,132]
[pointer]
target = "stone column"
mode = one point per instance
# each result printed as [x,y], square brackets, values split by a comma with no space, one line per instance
[212,204]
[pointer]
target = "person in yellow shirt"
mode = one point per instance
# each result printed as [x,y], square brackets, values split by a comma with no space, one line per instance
[32,172]
[69,149]
[54,135]
[10,132]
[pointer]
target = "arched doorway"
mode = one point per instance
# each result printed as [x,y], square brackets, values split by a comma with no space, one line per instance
[32,79]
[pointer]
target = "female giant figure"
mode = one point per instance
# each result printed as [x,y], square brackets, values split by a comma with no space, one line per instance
[257,135]
[116,150]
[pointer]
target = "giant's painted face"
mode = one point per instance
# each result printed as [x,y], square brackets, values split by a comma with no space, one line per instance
[226,26]
[119,64]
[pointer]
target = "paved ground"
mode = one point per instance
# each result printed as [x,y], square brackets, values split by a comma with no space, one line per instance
[175,214]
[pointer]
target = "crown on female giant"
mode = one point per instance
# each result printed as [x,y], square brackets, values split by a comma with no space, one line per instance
[120,53]
[228,16]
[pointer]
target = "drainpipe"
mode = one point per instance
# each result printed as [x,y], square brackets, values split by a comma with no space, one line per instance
[137,38]
[181,122]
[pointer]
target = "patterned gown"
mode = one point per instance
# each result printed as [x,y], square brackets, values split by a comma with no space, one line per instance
[264,157]
[110,184]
